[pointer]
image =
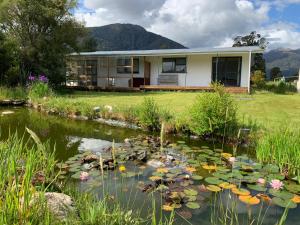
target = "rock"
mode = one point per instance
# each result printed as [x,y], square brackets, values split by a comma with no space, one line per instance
[59,204]
[155,163]
[90,158]
[109,108]
[7,113]
[96,109]
[127,141]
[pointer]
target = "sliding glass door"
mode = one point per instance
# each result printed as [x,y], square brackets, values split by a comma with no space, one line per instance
[227,70]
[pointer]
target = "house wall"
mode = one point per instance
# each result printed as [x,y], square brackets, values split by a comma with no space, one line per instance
[199,69]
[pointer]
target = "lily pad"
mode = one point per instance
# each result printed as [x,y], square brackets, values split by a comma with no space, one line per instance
[292,187]
[281,194]
[193,205]
[213,188]
[257,187]
[285,203]
[240,191]
[213,180]
[74,169]
[226,185]
[197,177]
[76,175]
[191,198]
[190,192]
[249,200]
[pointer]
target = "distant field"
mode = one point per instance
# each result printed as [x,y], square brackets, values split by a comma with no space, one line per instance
[270,110]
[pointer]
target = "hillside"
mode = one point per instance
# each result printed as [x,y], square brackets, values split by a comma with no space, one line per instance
[116,37]
[287,60]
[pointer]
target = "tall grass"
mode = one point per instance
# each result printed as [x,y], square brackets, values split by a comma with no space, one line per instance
[281,147]
[13,93]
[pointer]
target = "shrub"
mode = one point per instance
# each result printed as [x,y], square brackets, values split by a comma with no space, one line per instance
[281,87]
[258,79]
[212,113]
[149,114]
[39,89]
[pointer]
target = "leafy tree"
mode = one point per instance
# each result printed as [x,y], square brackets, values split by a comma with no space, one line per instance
[45,31]
[253,39]
[275,73]
[9,64]
[258,79]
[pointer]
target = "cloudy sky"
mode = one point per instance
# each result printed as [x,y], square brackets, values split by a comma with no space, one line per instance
[201,23]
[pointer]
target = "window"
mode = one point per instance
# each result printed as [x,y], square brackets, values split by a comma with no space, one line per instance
[227,70]
[174,65]
[124,65]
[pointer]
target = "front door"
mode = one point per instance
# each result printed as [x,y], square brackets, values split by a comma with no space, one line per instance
[147,72]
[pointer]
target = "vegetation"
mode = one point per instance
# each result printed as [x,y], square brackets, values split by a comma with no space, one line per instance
[281,147]
[275,73]
[43,32]
[258,79]
[213,113]
[13,93]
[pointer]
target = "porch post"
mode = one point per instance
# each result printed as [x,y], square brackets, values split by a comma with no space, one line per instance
[131,72]
[249,75]
[144,70]
[108,71]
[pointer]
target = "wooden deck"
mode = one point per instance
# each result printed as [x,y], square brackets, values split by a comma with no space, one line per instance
[235,90]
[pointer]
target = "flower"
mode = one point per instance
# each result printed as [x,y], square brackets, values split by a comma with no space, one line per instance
[276,184]
[84,176]
[43,78]
[31,77]
[231,159]
[261,181]
[122,168]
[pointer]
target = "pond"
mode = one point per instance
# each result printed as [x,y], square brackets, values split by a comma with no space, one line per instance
[184,174]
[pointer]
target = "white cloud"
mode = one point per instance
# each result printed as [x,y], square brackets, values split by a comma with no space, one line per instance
[195,23]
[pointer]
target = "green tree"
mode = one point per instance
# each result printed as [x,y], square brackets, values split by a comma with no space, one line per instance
[253,39]
[45,31]
[275,73]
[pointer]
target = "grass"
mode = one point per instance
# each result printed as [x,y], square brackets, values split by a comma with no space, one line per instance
[267,109]
[13,93]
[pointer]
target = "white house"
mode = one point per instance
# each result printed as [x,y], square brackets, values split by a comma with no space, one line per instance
[164,69]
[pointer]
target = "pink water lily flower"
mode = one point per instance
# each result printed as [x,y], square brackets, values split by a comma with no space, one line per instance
[84,176]
[276,184]
[261,181]
[231,159]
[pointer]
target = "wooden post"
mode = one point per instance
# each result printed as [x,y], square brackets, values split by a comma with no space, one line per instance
[144,70]
[108,71]
[131,72]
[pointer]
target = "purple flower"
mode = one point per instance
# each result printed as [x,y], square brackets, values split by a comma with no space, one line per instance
[31,77]
[43,78]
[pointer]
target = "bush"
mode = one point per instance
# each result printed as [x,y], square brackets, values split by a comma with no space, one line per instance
[258,79]
[281,87]
[212,113]
[39,90]
[149,114]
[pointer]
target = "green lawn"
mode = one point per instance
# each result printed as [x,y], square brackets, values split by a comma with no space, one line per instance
[270,110]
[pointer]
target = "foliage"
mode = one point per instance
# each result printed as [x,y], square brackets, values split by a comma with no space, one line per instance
[13,93]
[212,113]
[281,147]
[258,79]
[280,87]
[253,39]
[39,89]
[9,67]
[45,31]
[275,73]
[149,114]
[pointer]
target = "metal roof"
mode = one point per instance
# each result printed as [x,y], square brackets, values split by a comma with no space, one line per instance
[160,52]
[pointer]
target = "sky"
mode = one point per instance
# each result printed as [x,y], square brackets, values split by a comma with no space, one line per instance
[201,23]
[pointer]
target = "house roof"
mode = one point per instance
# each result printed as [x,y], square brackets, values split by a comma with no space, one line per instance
[164,52]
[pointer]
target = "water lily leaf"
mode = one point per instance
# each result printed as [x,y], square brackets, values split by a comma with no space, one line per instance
[190,169]
[170,175]
[76,175]
[193,205]
[197,177]
[190,192]
[226,155]
[181,142]
[176,171]
[270,168]
[74,169]
[185,183]
[292,187]
[285,203]
[191,198]
[213,188]
[275,177]
[162,170]
[209,167]
[155,178]
[162,187]
[281,194]
[226,185]
[249,200]
[257,187]
[157,174]
[240,191]
[176,205]
[264,197]
[296,199]
[213,180]
[192,161]
[168,208]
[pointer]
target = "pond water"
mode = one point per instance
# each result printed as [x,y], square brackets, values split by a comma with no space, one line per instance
[75,140]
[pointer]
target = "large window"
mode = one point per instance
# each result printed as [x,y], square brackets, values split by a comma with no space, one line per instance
[124,65]
[227,70]
[174,65]
[87,72]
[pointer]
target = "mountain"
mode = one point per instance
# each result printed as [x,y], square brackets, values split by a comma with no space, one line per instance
[287,60]
[118,36]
